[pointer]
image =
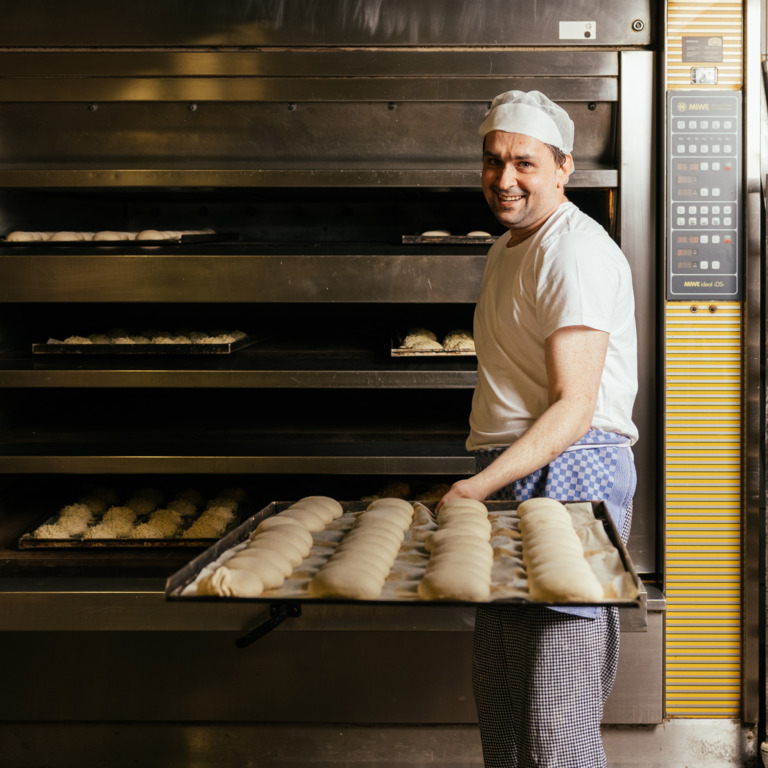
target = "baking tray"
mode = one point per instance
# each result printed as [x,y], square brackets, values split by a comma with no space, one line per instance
[212,237]
[224,348]
[396,349]
[180,586]
[447,240]
[28,541]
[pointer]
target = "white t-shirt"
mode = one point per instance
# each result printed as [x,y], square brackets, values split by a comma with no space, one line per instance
[570,272]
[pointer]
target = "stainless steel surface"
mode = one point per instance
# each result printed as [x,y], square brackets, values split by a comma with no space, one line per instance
[334,22]
[139,605]
[87,177]
[637,197]
[312,676]
[241,374]
[355,119]
[278,97]
[369,275]
[447,459]
[306,89]
[283,118]
[63,65]
[753,470]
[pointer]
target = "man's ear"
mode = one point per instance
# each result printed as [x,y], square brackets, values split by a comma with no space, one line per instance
[566,169]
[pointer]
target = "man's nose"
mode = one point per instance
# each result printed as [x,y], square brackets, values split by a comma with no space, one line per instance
[507,176]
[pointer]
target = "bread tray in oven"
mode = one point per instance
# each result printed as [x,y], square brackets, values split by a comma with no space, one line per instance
[131,244]
[213,348]
[612,563]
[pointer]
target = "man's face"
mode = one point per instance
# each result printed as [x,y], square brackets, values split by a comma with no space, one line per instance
[522,183]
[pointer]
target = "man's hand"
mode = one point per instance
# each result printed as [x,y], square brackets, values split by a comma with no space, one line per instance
[469,488]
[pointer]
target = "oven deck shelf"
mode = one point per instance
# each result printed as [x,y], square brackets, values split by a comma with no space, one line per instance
[262,366]
[194,451]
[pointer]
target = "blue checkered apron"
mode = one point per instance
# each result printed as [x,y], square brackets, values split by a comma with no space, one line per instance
[541,675]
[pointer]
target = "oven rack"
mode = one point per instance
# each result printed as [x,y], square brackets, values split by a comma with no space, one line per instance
[195,451]
[262,366]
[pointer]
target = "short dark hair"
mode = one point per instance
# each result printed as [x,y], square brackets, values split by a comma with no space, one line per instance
[558,153]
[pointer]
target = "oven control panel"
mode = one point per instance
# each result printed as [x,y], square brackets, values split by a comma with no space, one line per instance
[703,195]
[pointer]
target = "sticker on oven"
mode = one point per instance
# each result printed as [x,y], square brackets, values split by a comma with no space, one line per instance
[578,30]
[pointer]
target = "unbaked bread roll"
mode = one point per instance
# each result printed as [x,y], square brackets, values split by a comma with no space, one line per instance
[265,553]
[270,575]
[392,501]
[555,507]
[291,550]
[311,520]
[553,556]
[346,579]
[335,506]
[277,521]
[402,517]
[460,555]
[454,584]
[322,511]
[67,237]
[478,505]
[361,562]
[226,583]
[109,235]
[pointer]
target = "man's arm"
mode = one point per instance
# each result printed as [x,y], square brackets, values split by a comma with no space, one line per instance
[575,356]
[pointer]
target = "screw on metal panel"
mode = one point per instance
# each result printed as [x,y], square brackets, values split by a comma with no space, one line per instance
[292,107]
[638,25]
[592,106]
[391,106]
[694,308]
[93,107]
[192,107]
[712,308]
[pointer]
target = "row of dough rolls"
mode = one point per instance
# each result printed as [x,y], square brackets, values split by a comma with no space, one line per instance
[553,556]
[460,554]
[20,236]
[276,547]
[362,560]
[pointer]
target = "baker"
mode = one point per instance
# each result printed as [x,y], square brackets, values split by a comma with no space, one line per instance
[551,416]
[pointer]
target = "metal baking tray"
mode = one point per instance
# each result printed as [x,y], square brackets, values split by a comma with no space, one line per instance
[447,240]
[29,541]
[189,239]
[178,585]
[224,348]
[396,349]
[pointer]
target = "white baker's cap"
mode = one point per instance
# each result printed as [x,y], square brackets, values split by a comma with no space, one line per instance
[531,114]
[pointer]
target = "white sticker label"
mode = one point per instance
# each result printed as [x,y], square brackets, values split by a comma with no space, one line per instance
[578,30]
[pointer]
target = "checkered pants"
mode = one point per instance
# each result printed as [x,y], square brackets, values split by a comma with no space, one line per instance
[541,677]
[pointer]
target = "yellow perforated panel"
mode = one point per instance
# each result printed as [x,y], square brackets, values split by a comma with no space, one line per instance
[709,20]
[703,415]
